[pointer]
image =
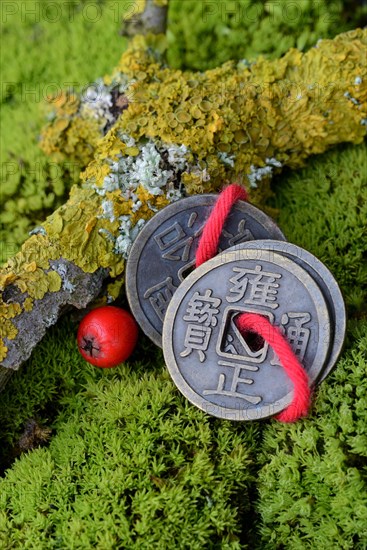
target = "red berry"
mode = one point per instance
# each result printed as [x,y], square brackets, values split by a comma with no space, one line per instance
[107,336]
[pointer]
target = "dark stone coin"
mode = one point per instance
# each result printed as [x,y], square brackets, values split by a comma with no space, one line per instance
[233,375]
[327,283]
[164,253]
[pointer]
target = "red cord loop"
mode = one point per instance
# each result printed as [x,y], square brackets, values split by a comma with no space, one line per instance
[258,324]
[253,322]
[208,245]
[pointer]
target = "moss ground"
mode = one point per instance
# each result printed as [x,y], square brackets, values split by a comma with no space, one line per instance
[46,47]
[130,463]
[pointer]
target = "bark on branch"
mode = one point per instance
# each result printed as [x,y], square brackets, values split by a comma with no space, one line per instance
[77,290]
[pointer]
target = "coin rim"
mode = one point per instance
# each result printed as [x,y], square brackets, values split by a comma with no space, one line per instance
[171,313]
[207,199]
[333,294]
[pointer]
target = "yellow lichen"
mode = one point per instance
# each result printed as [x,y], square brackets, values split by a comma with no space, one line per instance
[114,288]
[150,204]
[288,109]
[95,173]
[28,304]
[3,350]
[121,206]
[54,281]
[32,266]
[70,135]
[8,330]
[38,283]
[10,310]
[6,279]
[138,7]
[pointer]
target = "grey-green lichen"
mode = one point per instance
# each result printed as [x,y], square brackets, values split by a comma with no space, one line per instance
[235,123]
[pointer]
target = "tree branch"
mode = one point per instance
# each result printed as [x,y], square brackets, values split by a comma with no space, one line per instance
[77,290]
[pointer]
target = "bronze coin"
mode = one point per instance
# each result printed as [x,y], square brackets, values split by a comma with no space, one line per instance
[328,285]
[228,374]
[164,253]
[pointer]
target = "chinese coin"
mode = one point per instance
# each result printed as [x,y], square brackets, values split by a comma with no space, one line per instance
[232,375]
[327,283]
[164,253]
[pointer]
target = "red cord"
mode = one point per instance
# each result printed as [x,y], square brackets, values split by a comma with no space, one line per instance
[208,245]
[254,322]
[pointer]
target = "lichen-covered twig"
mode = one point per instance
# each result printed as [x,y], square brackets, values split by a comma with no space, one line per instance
[179,132]
[68,287]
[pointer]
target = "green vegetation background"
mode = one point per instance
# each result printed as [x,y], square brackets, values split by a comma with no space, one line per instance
[130,463]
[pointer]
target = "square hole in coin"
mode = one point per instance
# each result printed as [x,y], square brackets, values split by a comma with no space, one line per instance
[237,346]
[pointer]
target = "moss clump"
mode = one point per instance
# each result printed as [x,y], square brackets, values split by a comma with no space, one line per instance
[312,483]
[40,61]
[323,208]
[131,464]
[212,32]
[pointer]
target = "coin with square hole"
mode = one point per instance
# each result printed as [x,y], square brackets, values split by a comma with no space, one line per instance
[230,374]
[164,252]
[327,283]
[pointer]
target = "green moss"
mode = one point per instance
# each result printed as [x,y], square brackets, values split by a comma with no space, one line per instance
[214,31]
[324,209]
[50,46]
[131,464]
[312,484]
